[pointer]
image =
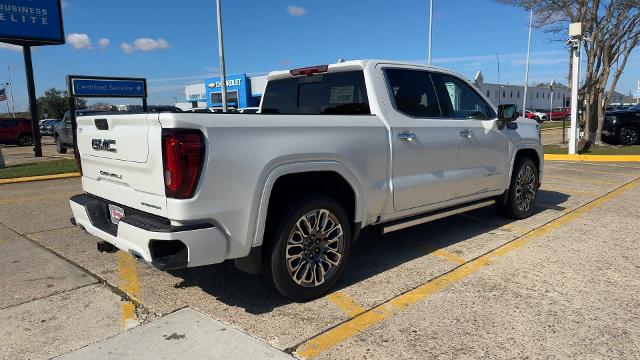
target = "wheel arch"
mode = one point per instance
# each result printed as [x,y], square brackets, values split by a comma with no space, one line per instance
[532,152]
[327,168]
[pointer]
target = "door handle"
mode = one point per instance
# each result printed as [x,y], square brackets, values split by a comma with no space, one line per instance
[407,136]
[466,133]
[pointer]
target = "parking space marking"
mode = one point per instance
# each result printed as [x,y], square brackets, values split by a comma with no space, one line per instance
[582,180]
[346,304]
[130,285]
[342,332]
[449,256]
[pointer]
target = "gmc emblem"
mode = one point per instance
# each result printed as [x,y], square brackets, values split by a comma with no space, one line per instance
[104,145]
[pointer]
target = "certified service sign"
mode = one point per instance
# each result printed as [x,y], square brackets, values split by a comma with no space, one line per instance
[31,22]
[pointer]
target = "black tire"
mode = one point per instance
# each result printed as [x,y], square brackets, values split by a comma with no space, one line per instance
[25,140]
[518,202]
[628,134]
[313,254]
[60,148]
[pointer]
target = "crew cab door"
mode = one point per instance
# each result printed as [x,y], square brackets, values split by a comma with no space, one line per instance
[425,146]
[482,147]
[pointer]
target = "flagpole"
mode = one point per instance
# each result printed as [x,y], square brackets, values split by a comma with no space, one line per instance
[7,100]
[13,104]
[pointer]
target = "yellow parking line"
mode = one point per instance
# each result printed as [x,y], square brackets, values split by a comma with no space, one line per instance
[39,178]
[449,256]
[350,328]
[346,304]
[604,158]
[130,285]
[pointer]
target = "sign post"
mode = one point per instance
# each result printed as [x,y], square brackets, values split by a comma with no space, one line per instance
[31,23]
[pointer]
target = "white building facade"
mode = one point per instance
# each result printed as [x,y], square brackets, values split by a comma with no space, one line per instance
[538,98]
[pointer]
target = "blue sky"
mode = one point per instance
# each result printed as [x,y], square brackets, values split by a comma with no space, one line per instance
[177,45]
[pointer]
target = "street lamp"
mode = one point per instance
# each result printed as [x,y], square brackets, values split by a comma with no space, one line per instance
[223,77]
[430,27]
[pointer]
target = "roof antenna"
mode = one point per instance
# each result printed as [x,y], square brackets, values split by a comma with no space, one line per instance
[341,60]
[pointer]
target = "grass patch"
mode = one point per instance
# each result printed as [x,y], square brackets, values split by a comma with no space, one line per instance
[39,168]
[552,125]
[596,150]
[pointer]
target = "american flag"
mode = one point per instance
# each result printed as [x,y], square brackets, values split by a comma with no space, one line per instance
[3,94]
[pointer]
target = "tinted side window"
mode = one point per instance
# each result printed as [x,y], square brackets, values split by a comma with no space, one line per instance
[413,93]
[9,123]
[459,100]
[341,93]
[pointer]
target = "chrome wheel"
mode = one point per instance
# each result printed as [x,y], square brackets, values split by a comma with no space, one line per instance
[525,188]
[628,135]
[315,247]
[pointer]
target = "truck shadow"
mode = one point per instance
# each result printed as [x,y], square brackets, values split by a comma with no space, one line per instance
[372,255]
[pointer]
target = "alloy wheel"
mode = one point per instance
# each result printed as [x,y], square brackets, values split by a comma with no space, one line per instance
[525,188]
[315,248]
[628,135]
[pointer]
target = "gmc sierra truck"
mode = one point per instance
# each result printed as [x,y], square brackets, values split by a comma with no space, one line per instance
[285,192]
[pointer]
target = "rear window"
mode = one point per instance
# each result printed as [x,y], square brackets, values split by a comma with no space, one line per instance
[342,93]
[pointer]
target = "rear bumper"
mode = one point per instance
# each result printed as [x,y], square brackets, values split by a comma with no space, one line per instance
[151,237]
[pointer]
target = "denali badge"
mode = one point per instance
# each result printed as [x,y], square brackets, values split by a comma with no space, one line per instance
[104,145]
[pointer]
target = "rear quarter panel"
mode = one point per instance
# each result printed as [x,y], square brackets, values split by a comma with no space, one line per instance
[243,150]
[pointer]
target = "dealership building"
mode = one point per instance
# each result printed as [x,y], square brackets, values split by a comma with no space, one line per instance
[245,91]
[242,92]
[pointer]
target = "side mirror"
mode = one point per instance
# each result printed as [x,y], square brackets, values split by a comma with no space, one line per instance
[506,113]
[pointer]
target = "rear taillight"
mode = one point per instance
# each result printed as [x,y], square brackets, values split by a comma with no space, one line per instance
[182,155]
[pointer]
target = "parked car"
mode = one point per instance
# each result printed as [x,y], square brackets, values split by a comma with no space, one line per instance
[535,115]
[62,132]
[560,114]
[46,126]
[334,149]
[16,131]
[622,126]
[163,108]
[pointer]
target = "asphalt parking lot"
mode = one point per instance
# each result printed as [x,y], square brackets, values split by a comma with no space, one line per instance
[561,284]
[15,155]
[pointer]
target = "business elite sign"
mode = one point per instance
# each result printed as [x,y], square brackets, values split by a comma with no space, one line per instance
[31,22]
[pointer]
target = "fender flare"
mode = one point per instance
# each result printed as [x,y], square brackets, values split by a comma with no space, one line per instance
[525,146]
[302,167]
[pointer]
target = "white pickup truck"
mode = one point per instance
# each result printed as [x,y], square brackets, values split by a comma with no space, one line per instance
[285,192]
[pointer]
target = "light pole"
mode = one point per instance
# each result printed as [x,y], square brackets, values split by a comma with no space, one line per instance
[430,27]
[526,72]
[575,31]
[551,105]
[223,77]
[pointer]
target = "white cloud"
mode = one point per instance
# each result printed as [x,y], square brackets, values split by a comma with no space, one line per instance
[296,10]
[10,47]
[80,41]
[144,44]
[104,42]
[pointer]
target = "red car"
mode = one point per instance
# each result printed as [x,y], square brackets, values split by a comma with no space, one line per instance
[15,131]
[560,113]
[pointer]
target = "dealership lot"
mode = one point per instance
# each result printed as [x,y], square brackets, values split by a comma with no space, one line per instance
[561,284]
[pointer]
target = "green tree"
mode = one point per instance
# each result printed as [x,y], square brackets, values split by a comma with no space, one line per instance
[54,103]
[611,31]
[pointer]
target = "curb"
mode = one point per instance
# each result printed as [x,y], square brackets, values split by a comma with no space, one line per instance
[602,158]
[39,178]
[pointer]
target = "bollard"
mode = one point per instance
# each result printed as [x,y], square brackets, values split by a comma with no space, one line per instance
[1,159]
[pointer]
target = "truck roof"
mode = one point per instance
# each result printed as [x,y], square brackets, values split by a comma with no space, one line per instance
[355,65]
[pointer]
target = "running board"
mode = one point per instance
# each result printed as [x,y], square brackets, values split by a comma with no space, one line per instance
[439,214]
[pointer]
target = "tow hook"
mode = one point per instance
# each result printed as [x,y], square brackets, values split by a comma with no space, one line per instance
[104,246]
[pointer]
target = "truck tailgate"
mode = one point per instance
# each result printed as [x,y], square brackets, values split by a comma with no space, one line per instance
[122,160]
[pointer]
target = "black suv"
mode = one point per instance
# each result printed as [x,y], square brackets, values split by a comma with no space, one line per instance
[622,126]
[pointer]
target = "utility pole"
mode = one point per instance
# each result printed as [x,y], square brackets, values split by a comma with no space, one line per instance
[430,27]
[223,77]
[551,105]
[526,72]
